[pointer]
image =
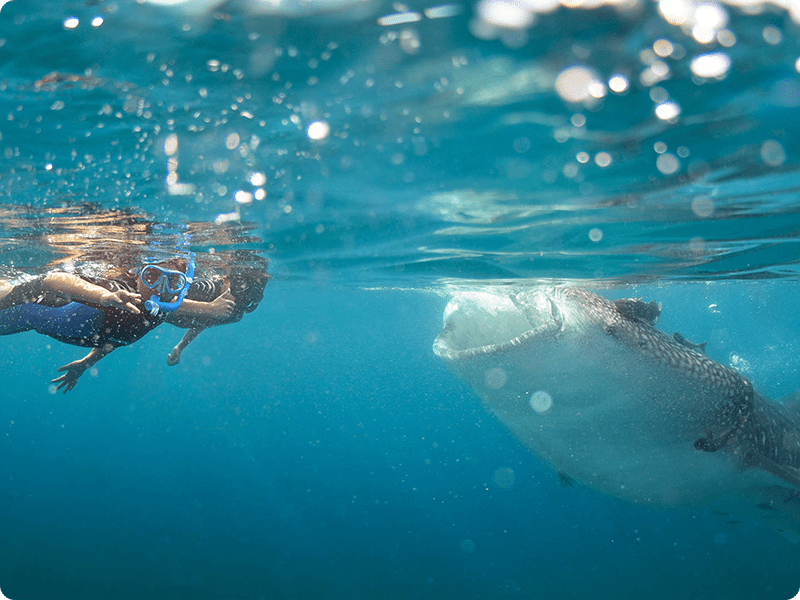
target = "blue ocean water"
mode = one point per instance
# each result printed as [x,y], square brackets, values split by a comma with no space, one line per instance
[381,155]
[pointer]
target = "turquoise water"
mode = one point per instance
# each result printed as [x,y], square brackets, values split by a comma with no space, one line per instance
[380,156]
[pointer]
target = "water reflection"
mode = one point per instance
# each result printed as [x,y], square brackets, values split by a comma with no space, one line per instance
[90,240]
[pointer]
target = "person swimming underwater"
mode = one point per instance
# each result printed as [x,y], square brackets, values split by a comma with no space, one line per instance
[103,313]
[245,283]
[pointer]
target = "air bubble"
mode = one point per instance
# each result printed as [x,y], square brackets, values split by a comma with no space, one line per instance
[772,153]
[602,159]
[495,378]
[257,178]
[232,141]
[541,402]
[667,111]
[171,144]
[703,207]
[503,478]
[318,130]
[618,84]
[668,163]
[579,83]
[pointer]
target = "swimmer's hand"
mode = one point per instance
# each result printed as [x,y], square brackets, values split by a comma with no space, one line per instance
[220,308]
[223,305]
[74,370]
[123,300]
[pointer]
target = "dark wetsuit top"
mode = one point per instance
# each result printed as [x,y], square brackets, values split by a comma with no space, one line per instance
[247,294]
[29,306]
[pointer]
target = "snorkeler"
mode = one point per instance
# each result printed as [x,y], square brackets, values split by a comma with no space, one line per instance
[245,285]
[103,314]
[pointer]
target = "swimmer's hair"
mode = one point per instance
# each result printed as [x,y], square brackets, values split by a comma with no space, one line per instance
[248,283]
[128,266]
[175,264]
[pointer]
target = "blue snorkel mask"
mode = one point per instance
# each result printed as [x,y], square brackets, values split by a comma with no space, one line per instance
[166,281]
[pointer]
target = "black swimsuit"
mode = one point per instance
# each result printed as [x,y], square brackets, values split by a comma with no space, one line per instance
[29,306]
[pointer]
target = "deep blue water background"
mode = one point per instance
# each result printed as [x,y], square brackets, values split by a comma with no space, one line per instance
[318,449]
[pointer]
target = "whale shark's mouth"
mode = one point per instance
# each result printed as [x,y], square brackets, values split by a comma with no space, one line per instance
[482,323]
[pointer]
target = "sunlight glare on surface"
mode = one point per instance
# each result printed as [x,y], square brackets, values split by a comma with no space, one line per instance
[578,84]
[713,65]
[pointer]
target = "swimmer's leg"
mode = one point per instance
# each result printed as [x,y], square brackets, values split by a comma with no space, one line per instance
[15,320]
[16,314]
[175,356]
[27,292]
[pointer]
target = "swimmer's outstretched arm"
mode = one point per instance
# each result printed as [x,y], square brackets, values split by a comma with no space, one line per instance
[219,308]
[75,288]
[175,356]
[75,369]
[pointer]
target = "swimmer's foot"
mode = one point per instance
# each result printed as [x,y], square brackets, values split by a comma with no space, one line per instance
[174,357]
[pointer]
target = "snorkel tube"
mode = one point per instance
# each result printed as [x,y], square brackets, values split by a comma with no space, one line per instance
[155,305]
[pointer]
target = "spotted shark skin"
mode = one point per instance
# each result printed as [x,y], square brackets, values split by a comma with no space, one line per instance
[765,430]
[635,413]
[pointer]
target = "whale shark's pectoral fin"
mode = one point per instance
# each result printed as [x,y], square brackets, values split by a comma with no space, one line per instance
[711,444]
[637,309]
[753,459]
[684,342]
[743,399]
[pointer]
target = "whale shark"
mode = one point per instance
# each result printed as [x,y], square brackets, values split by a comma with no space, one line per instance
[612,402]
